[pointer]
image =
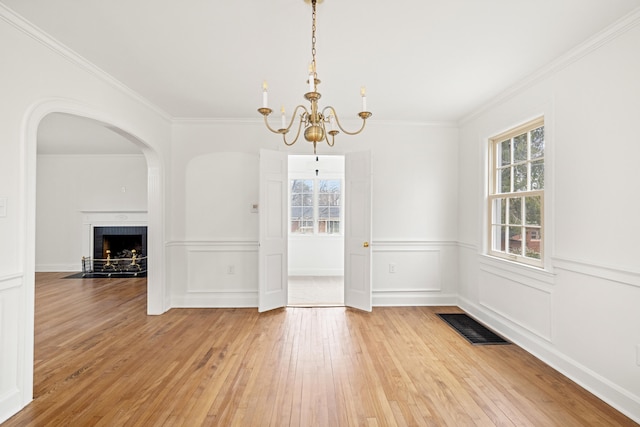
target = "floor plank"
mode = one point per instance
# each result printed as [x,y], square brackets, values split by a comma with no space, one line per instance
[101,361]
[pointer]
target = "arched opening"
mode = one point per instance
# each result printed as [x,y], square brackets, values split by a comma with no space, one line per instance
[156,294]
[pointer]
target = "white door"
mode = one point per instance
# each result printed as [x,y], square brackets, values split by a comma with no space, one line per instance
[357,251]
[272,254]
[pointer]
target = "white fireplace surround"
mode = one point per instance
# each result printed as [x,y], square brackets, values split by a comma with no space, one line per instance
[92,219]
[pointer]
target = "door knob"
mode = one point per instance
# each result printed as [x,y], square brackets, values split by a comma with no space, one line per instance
[365,244]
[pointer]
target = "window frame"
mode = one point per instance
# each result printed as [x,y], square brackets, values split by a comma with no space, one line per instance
[315,205]
[494,194]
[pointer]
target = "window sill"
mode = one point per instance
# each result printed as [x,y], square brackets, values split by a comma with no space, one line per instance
[513,267]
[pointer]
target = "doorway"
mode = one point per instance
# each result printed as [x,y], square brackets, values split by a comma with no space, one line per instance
[316,230]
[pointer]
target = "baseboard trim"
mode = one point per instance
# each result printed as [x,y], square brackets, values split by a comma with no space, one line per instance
[411,298]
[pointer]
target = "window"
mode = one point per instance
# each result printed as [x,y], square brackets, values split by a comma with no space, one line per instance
[302,206]
[316,206]
[516,194]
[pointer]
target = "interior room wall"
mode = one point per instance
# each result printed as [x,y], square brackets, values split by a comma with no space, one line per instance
[67,186]
[579,314]
[414,192]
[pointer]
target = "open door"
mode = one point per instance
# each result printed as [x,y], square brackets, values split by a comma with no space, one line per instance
[272,263]
[357,251]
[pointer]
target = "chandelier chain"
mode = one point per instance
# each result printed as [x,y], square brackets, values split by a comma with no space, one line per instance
[313,38]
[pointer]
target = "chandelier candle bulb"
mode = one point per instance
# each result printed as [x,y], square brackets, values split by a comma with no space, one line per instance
[284,119]
[363,93]
[265,95]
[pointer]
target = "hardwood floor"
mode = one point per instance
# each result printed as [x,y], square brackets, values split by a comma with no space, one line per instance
[314,291]
[101,361]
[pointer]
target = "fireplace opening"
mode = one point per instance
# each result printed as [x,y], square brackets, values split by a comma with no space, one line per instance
[121,242]
[120,251]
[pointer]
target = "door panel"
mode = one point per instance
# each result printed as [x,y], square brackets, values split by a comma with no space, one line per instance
[357,264]
[273,270]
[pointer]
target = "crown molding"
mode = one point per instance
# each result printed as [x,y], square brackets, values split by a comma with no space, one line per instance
[593,43]
[20,23]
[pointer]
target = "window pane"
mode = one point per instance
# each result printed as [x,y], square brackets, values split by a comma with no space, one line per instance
[499,238]
[296,213]
[334,212]
[515,240]
[515,210]
[533,210]
[537,175]
[330,185]
[499,211]
[520,178]
[296,186]
[307,213]
[296,199]
[520,148]
[323,213]
[504,185]
[324,199]
[505,153]
[533,243]
[537,143]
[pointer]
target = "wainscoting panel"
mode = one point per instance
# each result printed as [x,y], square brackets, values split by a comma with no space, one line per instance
[413,273]
[521,300]
[10,304]
[221,270]
[214,274]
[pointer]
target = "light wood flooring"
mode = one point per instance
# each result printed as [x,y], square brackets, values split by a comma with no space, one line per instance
[316,291]
[101,361]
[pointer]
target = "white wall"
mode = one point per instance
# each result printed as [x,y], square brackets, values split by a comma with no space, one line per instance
[414,195]
[581,313]
[67,186]
[38,77]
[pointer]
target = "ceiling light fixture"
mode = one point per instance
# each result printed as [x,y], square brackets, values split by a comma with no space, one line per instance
[314,121]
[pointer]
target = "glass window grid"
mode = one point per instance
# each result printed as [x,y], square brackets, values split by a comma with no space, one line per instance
[516,206]
[321,205]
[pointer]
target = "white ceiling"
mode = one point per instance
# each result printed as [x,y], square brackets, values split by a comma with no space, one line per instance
[421,60]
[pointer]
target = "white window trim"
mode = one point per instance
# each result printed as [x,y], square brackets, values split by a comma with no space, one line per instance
[492,194]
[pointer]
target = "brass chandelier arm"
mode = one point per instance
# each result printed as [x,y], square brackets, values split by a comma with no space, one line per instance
[266,122]
[364,115]
[326,135]
[285,131]
[266,111]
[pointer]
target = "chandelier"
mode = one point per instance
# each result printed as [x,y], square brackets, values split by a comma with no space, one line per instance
[315,122]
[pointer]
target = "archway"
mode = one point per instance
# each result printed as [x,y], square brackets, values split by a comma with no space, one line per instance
[157,302]
[156,293]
